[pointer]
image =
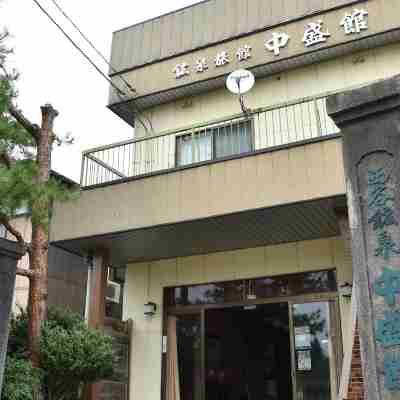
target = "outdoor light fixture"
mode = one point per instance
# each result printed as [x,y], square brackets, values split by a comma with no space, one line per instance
[150,309]
[346,289]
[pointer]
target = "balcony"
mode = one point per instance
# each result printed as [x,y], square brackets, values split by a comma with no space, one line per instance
[274,176]
[260,131]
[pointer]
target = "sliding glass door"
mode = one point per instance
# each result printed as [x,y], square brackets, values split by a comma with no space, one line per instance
[316,350]
[184,375]
[251,348]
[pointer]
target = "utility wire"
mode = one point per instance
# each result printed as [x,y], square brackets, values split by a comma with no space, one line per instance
[119,92]
[79,49]
[99,53]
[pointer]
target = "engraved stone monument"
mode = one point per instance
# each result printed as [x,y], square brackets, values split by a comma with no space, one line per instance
[369,119]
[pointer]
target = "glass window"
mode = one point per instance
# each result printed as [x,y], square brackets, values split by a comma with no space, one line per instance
[215,293]
[271,287]
[232,139]
[216,142]
[194,148]
[262,288]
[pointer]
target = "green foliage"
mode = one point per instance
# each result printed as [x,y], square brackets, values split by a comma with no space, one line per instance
[18,338]
[73,357]
[21,380]
[18,163]
[71,353]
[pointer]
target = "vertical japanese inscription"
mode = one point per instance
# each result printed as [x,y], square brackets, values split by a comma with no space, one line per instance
[382,220]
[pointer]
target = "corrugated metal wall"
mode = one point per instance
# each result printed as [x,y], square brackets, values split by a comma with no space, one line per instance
[67,280]
[204,24]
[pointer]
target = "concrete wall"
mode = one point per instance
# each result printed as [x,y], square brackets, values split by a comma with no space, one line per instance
[9,254]
[301,173]
[145,282]
[67,275]
[334,75]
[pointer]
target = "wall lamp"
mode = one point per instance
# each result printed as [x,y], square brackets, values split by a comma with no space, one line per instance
[346,290]
[150,309]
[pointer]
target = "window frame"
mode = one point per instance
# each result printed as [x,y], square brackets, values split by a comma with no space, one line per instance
[213,129]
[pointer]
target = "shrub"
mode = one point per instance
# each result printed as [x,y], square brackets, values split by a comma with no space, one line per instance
[71,354]
[73,357]
[21,381]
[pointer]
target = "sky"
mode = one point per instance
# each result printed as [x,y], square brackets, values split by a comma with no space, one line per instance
[52,71]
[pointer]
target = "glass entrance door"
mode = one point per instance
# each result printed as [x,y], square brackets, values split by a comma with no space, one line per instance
[184,367]
[316,350]
[248,353]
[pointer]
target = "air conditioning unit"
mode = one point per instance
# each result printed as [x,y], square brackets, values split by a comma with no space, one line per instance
[113,292]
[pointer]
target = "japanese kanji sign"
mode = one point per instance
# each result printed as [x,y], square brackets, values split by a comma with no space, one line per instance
[387,285]
[315,33]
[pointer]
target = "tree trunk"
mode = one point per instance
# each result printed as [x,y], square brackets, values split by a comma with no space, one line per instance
[40,236]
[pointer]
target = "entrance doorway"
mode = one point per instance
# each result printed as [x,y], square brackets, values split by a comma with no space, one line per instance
[257,348]
[248,353]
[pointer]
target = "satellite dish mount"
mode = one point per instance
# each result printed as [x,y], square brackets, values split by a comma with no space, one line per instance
[240,82]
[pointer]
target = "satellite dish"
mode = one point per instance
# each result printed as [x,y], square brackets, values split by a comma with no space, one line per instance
[240,81]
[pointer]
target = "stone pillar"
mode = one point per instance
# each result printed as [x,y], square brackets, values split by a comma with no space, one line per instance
[369,119]
[10,253]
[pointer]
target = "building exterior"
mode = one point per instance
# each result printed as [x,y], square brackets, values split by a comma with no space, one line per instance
[232,225]
[67,271]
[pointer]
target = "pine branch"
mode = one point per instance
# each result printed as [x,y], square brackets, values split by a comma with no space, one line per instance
[14,232]
[32,129]
[5,160]
[27,273]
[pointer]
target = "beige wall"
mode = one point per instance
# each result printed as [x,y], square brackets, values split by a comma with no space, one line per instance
[146,281]
[334,75]
[159,76]
[177,32]
[296,174]
[23,225]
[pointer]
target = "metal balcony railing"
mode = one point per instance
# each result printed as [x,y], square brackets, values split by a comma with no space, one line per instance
[261,129]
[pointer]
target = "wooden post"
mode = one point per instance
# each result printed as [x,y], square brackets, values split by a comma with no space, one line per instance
[98,287]
[370,122]
[96,307]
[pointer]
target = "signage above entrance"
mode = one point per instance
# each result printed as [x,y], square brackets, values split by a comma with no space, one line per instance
[352,23]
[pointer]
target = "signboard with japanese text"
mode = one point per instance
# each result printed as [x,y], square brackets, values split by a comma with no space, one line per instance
[293,43]
[383,248]
[352,23]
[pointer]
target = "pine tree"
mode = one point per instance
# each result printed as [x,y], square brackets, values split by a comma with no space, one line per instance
[26,182]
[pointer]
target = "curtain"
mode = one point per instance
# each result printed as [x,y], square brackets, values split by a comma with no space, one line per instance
[173,386]
[194,148]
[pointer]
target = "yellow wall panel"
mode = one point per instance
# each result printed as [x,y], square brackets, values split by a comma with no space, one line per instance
[282,259]
[265,180]
[191,270]
[146,281]
[333,75]
[250,263]
[219,267]
[298,177]
[315,255]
